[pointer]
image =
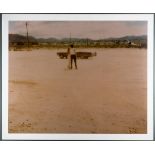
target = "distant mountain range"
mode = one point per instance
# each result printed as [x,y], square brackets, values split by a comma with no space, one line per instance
[20,38]
[130,38]
[14,38]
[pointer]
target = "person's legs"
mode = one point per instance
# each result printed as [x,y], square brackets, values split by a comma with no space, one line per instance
[75,61]
[71,60]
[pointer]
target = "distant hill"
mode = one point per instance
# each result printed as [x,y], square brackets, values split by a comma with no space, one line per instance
[126,41]
[21,38]
[48,40]
[14,38]
[129,38]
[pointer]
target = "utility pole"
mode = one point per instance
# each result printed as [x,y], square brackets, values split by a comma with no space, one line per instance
[27,35]
[70,38]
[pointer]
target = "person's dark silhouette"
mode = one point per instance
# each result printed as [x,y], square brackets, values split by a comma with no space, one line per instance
[73,56]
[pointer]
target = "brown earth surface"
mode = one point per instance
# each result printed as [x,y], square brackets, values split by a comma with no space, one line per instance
[107,94]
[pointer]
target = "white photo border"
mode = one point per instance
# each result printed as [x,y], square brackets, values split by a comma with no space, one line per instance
[76,17]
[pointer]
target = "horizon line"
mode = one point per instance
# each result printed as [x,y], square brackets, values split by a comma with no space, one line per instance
[78,37]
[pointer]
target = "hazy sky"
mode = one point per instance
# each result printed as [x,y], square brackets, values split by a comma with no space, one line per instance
[79,29]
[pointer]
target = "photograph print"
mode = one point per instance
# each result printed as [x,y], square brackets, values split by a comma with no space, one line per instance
[81,76]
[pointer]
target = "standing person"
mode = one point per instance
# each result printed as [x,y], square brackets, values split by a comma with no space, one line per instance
[69,58]
[73,56]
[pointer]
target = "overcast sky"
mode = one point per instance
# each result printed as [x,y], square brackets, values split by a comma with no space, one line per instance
[79,29]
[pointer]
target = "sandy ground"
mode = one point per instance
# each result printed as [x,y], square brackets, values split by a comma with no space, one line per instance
[107,94]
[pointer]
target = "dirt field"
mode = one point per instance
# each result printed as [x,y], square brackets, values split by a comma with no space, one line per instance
[107,94]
